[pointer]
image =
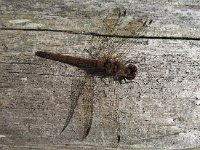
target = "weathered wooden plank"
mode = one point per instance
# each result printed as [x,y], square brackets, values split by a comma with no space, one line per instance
[161,110]
[171,18]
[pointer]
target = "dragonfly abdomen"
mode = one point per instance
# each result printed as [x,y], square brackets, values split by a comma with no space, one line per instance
[72,60]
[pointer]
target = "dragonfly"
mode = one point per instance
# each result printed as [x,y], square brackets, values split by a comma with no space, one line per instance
[103,62]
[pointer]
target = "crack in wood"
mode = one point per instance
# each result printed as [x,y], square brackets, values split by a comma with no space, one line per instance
[106,35]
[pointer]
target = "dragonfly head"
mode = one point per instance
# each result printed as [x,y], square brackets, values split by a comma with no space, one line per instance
[131,71]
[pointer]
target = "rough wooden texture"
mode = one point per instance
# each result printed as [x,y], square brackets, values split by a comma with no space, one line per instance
[159,110]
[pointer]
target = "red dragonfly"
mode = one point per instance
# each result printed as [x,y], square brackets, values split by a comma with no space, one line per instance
[106,66]
[102,61]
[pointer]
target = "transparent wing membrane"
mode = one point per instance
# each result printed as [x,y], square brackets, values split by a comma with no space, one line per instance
[113,25]
[76,91]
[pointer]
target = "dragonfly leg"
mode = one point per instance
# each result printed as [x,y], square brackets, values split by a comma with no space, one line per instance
[103,80]
[117,78]
[90,53]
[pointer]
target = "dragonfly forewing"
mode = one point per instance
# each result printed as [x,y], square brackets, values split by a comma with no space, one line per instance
[112,20]
[113,24]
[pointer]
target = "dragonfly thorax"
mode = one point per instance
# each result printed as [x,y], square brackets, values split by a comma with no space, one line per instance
[120,71]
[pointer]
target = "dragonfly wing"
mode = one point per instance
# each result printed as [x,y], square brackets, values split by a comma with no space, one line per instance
[113,25]
[112,20]
[99,44]
[76,91]
[133,27]
[86,110]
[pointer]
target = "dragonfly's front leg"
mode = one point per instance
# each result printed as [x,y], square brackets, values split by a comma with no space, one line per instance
[119,79]
[93,56]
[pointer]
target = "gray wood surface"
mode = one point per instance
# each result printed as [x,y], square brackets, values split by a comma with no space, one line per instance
[160,109]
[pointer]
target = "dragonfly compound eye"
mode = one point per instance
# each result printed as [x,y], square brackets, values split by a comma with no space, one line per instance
[131,72]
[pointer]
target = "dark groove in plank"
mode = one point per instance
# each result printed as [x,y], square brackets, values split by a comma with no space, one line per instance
[105,35]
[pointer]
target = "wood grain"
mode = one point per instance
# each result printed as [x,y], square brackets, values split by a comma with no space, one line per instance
[159,110]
